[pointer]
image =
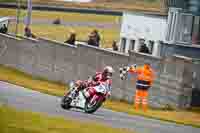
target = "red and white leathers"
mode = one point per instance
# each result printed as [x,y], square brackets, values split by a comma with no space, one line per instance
[98,80]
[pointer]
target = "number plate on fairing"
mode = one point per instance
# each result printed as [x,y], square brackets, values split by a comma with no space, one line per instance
[79,101]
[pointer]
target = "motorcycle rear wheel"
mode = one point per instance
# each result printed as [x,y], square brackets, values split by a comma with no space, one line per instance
[91,108]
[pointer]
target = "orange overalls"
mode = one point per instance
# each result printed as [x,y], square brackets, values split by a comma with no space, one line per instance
[145,77]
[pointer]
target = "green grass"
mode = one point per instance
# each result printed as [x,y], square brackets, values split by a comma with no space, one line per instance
[64,16]
[186,117]
[189,117]
[8,0]
[15,121]
[61,33]
[142,5]
[36,83]
[136,5]
[97,0]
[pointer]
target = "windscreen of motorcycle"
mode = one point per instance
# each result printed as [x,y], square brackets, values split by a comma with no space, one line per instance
[71,84]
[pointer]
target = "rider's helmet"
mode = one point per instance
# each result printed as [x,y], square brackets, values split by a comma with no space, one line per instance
[107,72]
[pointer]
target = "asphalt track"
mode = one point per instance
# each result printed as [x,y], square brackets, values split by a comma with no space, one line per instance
[25,99]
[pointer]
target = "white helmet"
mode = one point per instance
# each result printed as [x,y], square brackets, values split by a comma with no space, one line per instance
[108,71]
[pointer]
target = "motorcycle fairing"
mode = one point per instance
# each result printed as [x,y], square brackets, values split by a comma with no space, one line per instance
[79,101]
[102,88]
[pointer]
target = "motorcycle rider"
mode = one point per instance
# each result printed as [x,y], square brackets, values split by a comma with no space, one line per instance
[103,78]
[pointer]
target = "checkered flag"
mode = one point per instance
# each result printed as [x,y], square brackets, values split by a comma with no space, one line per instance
[123,72]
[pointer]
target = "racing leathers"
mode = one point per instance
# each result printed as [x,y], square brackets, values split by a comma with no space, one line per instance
[98,80]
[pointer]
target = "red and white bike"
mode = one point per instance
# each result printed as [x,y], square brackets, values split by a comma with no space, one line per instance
[75,98]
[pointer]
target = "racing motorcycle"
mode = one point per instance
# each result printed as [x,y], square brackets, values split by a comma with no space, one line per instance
[75,98]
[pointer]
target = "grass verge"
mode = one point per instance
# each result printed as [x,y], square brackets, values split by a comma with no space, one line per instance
[61,33]
[12,120]
[140,5]
[64,16]
[186,117]
[22,79]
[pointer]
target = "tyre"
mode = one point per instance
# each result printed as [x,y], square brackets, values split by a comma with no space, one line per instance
[65,102]
[92,107]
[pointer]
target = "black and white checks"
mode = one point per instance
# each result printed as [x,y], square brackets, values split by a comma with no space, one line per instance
[124,71]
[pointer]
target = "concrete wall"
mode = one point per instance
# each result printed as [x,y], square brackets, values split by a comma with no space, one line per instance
[9,53]
[93,59]
[60,58]
[192,51]
[40,58]
[196,84]
[177,75]
[169,87]
[196,75]
[60,62]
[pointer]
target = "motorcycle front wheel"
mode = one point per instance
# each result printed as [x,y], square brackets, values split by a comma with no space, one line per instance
[65,102]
